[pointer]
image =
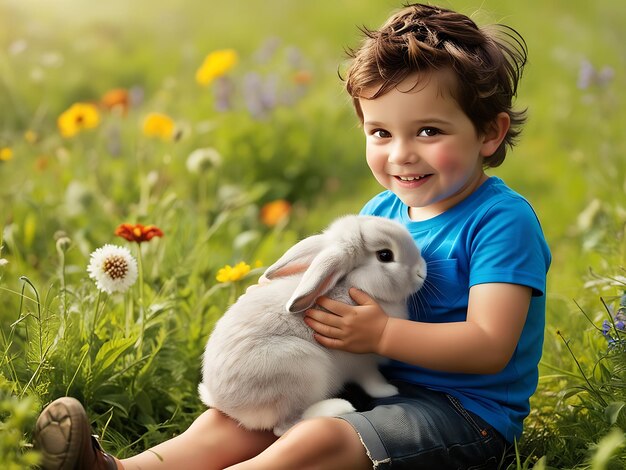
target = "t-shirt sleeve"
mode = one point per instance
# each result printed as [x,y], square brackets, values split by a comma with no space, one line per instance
[508,246]
[376,205]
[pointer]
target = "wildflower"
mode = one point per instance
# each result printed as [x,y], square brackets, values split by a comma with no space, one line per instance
[17,47]
[116,99]
[78,198]
[113,269]
[30,136]
[63,243]
[201,160]
[78,117]
[274,212]
[233,273]
[302,77]
[588,75]
[159,125]
[3,262]
[215,65]
[224,91]
[615,329]
[6,154]
[41,163]
[267,50]
[260,94]
[138,233]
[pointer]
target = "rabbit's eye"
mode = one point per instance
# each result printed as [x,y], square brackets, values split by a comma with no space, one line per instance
[384,256]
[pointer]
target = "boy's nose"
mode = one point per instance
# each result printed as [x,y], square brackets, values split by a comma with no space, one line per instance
[403,153]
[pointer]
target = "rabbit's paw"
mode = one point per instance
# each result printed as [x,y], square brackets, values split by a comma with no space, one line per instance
[282,428]
[379,389]
[330,407]
[205,395]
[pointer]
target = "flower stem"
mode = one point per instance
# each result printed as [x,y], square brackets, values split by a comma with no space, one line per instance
[142,318]
[95,319]
[591,388]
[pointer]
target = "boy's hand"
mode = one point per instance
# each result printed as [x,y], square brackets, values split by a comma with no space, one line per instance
[353,328]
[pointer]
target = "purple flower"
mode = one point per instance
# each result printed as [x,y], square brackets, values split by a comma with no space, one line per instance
[223,90]
[260,94]
[588,75]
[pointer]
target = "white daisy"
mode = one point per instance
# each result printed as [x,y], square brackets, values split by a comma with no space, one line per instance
[113,268]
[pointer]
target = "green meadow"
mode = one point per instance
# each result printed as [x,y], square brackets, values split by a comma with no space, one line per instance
[235,166]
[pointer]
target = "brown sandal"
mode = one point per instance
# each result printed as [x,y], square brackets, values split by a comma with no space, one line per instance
[63,436]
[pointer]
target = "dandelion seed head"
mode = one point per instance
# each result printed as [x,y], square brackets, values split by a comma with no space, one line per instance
[203,159]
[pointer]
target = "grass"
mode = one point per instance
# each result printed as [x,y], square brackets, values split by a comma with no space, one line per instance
[133,358]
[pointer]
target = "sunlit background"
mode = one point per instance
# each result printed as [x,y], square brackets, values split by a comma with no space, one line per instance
[235,156]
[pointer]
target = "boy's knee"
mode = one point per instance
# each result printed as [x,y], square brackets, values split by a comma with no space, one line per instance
[325,435]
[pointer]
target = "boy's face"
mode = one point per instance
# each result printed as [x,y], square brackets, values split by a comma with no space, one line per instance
[422,146]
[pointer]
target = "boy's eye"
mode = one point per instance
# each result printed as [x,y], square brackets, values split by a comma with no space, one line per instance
[428,132]
[381,134]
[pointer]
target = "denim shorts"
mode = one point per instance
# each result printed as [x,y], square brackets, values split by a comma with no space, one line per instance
[424,429]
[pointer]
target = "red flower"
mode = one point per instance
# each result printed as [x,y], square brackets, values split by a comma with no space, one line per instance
[138,233]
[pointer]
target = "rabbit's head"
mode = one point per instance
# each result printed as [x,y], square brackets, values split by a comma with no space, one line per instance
[374,254]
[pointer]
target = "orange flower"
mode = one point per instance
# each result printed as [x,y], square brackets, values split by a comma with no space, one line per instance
[302,77]
[138,233]
[273,212]
[118,98]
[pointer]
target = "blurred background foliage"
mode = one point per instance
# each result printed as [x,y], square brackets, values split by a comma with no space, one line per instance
[289,159]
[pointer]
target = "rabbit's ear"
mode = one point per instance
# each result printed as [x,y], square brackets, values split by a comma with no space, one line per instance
[297,258]
[326,269]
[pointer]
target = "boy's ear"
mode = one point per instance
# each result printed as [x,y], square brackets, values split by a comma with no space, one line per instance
[496,133]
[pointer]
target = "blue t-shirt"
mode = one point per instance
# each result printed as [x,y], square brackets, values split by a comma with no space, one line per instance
[491,236]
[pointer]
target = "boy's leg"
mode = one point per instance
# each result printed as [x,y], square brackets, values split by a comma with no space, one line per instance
[313,443]
[213,441]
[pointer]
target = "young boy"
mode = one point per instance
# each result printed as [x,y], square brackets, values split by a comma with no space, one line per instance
[434,95]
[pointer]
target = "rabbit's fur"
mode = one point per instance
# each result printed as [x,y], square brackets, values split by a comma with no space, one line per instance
[262,365]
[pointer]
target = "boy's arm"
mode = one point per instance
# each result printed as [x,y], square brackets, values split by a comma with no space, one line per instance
[482,344]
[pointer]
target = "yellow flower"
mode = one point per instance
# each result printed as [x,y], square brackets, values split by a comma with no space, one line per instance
[6,154]
[158,125]
[30,136]
[78,117]
[229,273]
[215,65]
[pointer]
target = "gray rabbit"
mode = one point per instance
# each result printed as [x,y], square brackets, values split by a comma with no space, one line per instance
[261,364]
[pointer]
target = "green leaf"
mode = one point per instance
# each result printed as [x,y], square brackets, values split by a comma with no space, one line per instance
[571,393]
[607,448]
[110,352]
[612,411]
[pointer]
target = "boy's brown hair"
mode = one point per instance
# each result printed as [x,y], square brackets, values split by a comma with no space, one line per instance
[487,62]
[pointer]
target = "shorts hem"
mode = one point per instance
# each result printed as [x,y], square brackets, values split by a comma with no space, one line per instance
[374,447]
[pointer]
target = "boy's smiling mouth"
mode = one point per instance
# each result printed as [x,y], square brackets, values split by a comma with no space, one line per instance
[412,178]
